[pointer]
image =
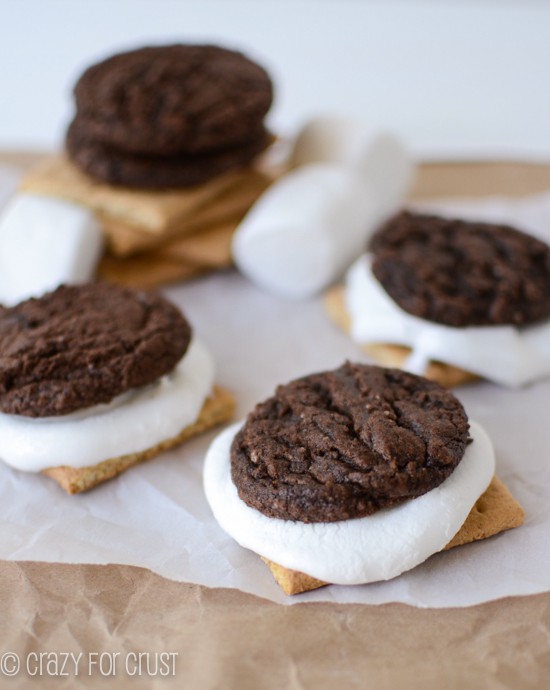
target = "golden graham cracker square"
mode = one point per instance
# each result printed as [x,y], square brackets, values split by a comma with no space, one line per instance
[388,355]
[226,209]
[154,237]
[179,259]
[146,272]
[152,211]
[495,511]
[217,409]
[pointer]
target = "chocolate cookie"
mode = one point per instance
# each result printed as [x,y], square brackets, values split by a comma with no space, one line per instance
[83,345]
[167,100]
[345,443]
[460,273]
[149,172]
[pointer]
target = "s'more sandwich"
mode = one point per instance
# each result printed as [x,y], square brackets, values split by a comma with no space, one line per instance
[354,476]
[96,378]
[453,300]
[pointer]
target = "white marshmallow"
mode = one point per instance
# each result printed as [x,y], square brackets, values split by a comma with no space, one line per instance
[304,231]
[329,139]
[9,179]
[45,242]
[505,354]
[358,551]
[312,223]
[132,422]
[379,157]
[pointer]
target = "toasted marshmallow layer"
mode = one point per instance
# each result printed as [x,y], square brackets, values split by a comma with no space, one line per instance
[504,354]
[132,422]
[350,552]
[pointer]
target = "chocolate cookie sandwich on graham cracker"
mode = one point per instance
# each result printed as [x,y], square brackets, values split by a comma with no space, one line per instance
[97,378]
[450,299]
[354,476]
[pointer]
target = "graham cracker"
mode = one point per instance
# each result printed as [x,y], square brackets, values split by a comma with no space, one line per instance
[229,207]
[218,408]
[151,211]
[394,355]
[210,248]
[495,511]
[178,260]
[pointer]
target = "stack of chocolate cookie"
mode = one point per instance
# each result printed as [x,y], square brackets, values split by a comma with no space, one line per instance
[164,151]
[169,116]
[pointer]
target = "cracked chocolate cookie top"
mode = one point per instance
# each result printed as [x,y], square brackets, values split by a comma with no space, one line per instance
[461,273]
[165,100]
[345,443]
[83,345]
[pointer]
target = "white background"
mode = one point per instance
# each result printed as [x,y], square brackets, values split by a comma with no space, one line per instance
[455,79]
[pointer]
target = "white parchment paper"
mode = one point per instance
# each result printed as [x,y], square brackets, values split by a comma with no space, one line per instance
[155,515]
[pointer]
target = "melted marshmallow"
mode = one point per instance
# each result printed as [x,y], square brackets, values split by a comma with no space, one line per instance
[132,422]
[504,354]
[358,551]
